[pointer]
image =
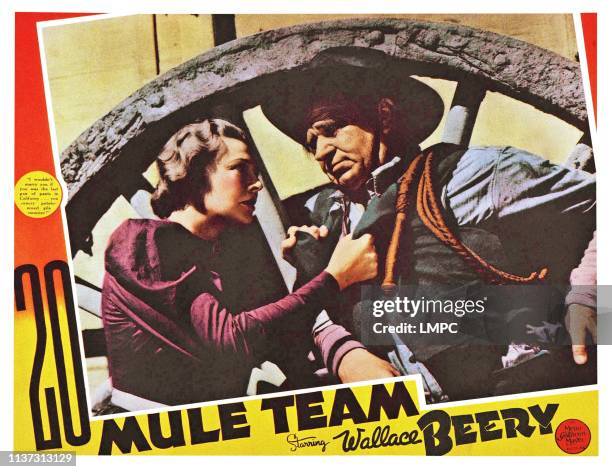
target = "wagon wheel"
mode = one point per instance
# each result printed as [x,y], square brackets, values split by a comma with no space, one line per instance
[107,160]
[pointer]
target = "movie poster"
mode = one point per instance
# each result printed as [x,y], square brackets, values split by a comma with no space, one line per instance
[212,256]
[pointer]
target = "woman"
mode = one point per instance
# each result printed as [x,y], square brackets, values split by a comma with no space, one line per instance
[170,339]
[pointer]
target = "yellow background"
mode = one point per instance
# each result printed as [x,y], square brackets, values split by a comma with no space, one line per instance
[264,441]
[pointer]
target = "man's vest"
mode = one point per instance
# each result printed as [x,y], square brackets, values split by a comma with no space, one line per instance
[428,268]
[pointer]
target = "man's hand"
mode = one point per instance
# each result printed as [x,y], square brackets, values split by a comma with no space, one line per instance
[359,364]
[317,232]
[581,321]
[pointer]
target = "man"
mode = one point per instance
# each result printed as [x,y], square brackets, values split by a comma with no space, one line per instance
[485,216]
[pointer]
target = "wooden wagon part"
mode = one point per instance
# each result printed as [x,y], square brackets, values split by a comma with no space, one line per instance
[107,160]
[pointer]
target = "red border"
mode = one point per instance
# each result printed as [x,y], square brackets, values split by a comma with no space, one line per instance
[37,241]
[589,31]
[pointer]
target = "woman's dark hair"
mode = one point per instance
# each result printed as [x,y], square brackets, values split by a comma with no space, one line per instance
[185,161]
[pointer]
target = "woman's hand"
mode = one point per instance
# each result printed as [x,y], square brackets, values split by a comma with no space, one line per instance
[360,364]
[353,260]
[317,232]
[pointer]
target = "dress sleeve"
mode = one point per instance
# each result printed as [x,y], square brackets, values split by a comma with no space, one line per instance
[584,278]
[224,331]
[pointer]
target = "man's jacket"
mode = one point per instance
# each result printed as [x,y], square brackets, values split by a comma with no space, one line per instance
[517,211]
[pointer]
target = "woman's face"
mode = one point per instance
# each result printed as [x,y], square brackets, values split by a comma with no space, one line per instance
[233,184]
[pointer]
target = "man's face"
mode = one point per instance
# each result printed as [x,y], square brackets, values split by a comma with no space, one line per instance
[344,151]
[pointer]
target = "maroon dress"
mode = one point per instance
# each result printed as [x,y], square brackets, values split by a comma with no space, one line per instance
[169,337]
